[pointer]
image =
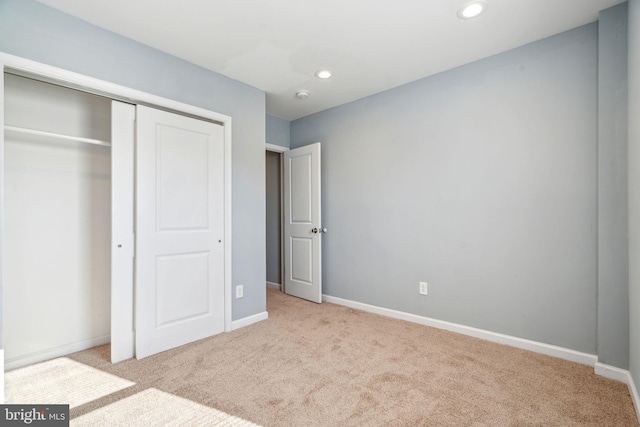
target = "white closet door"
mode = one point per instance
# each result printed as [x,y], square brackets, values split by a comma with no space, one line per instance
[123,130]
[179,229]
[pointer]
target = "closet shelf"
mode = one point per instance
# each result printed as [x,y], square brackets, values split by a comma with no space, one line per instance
[19,130]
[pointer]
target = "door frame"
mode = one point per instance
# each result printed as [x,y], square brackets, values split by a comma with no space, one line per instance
[281,150]
[28,68]
[274,148]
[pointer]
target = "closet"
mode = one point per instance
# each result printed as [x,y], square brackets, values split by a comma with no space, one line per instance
[113,214]
[57,213]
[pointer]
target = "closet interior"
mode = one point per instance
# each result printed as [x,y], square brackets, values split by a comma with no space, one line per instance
[57,213]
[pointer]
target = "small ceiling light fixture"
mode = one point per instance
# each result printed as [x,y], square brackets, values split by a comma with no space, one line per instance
[302,94]
[472,9]
[324,74]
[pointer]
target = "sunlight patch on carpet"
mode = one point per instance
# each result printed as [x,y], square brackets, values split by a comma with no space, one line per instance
[60,381]
[153,407]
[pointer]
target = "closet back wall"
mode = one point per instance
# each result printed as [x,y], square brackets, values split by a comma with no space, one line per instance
[57,221]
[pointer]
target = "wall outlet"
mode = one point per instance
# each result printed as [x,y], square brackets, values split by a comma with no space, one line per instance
[239,291]
[423,288]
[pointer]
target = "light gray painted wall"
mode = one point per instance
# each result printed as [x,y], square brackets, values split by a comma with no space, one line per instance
[278,132]
[481,181]
[274,213]
[36,32]
[634,190]
[613,269]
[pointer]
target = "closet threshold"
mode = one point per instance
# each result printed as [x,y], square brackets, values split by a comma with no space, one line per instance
[56,136]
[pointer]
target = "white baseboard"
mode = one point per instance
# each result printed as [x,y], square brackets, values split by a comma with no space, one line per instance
[249,320]
[538,347]
[52,353]
[273,285]
[612,372]
[623,376]
[635,397]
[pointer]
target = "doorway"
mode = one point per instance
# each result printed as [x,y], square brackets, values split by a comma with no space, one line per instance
[273,187]
[293,207]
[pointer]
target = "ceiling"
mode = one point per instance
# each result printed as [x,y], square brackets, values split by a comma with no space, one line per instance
[370,45]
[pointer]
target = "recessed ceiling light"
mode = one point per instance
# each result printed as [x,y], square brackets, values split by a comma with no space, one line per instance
[324,74]
[472,9]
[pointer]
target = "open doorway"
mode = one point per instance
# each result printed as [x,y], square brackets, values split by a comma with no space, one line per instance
[293,221]
[273,180]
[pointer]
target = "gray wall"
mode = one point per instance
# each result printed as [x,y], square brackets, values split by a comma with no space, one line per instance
[34,31]
[274,212]
[278,131]
[481,181]
[634,190]
[613,270]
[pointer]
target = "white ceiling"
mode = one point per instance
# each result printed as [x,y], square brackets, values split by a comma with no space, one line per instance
[370,45]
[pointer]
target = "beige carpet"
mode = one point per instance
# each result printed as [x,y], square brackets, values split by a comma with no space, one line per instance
[327,365]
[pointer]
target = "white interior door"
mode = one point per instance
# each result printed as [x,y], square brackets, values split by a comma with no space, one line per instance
[123,130]
[179,230]
[302,223]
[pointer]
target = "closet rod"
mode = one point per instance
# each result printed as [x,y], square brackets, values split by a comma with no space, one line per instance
[56,135]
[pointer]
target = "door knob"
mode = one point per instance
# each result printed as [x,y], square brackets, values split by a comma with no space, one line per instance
[324,230]
[315,230]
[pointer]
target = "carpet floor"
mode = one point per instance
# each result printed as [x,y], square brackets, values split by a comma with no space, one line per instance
[328,365]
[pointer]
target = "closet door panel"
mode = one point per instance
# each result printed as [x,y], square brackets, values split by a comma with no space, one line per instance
[179,230]
[122,230]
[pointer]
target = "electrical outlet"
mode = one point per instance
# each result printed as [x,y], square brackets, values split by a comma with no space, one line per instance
[239,291]
[423,288]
